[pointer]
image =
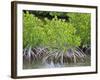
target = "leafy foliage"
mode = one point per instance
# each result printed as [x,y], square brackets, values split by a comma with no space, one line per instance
[32,30]
[82,23]
[55,33]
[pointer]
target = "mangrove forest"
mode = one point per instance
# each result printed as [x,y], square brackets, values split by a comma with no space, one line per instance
[56,39]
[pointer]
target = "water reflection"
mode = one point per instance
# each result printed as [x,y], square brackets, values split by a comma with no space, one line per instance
[40,64]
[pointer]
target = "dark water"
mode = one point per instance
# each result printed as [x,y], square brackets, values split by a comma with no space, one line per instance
[40,64]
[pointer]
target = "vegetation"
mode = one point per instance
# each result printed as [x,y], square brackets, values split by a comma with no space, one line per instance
[82,23]
[55,39]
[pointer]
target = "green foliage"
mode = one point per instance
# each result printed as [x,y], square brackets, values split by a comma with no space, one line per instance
[55,33]
[60,34]
[81,21]
[32,30]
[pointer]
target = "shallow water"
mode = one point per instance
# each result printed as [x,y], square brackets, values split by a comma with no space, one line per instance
[39,64]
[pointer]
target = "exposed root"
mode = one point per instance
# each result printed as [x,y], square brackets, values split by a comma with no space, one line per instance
[70,56]
[34,54]
[75,55]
